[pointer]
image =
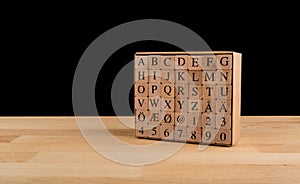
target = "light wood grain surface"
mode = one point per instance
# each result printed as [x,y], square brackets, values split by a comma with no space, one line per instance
[53,150]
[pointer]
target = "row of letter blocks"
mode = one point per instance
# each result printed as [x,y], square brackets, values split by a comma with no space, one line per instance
[188,96]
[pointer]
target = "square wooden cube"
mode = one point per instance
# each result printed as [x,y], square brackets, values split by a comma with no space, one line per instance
[209,62]
[224,61]
[141,76]
[209,77]
[181,76]
[141,103]
[181,62]
[195,91]
[209,91]
[167,132]
[181,105]
[154,131]
[154,62]
[223,137]
[224,92]
[167,90]
[154,117]
[195,77]
[195,106]
[181,90]
[194,134]
[180,133]
[167,118]
[154,103]
[181,119]
[209,121]
[142,116]
[208,136]
[167,76]
[141,89]
[208,106]
[141,62]
[167,104]
[195,62]
[167,62]
[142,130]
[194,119]
[223,106]
[223,77]
[154,76]
[154,89]
[223,120]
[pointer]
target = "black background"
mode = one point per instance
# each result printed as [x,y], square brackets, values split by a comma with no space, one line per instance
[41,49]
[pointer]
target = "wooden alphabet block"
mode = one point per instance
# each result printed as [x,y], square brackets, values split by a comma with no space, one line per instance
[209,91]
[167,104]
[195,77]
[209,121]
[224,92]
[181,105]
[194,105]
[154,89]
[190,97]
[167,118]
[181,119]
[223,106]
[208,106]
[224,62]
[223,120]
[154,131]
[142,130]
[209,62]
[195,91]
[180,133]
[154,117]
[167,90]
[167,62]
[141,89]
[181,76]
[222,77]
[181,90]
[141,62]
[223,137]
[154,103]
[141,103]
[167,132]
[141,76]
[194,134]
[154,62]
[195,63]
[209,77]
[208,136]
[181,62]
[142,116]
[194,120]
[154,76]
[167,76]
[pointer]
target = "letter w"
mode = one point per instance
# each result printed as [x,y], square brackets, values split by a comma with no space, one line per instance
[154,102]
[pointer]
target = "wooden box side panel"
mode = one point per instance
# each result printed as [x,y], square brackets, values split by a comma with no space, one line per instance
[236,104]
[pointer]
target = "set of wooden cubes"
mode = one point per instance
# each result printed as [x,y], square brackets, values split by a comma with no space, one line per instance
[188,96]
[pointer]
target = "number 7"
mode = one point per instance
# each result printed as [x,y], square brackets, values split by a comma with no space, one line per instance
[180,132]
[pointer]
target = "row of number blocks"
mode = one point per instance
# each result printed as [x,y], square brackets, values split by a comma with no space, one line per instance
[193,128]
[187,97]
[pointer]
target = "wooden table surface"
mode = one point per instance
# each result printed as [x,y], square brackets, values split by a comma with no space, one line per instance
[53,150]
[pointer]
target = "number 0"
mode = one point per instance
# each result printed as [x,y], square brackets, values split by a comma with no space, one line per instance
[223,136]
